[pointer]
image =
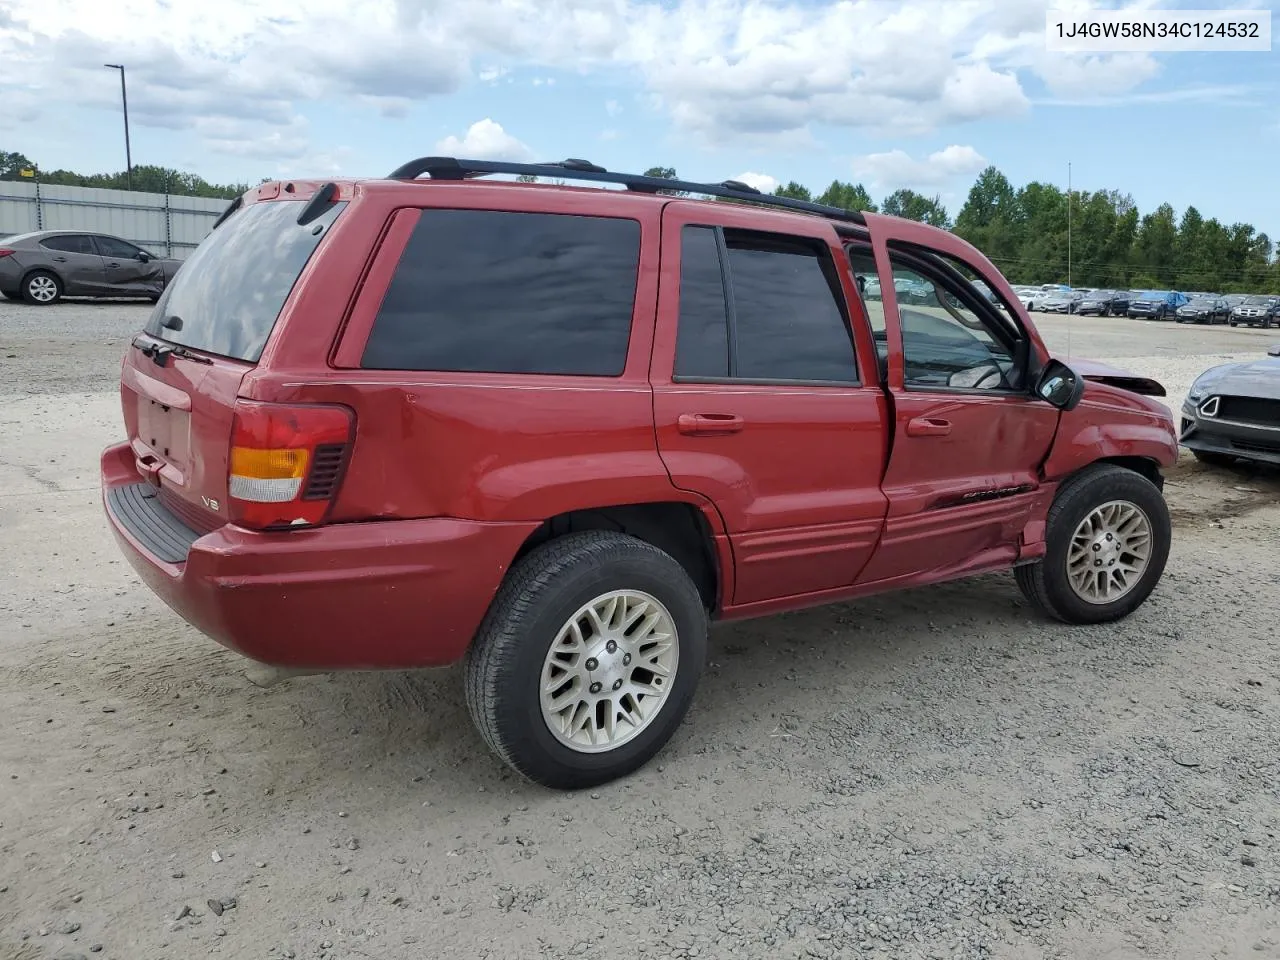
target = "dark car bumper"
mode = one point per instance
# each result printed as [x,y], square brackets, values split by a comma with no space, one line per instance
[378,595]
[1231,438]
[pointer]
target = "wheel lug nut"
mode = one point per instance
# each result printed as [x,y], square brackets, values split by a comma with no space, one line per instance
[626,659]
[592,663]
[617,684]
[595,688]
[1097,547]
[1097,563]
[611,646]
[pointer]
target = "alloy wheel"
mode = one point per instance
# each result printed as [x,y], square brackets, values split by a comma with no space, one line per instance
[1109,552]
[609,671]
[43,289]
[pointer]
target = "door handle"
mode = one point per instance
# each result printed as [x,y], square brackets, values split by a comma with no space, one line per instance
[704,424]
[113,265]
[928,427]
[60,259]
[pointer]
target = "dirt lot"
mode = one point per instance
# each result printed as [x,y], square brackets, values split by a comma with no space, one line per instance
[931,774]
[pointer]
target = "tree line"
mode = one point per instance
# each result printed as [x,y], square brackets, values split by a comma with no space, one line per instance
[1024,231]
[147,178]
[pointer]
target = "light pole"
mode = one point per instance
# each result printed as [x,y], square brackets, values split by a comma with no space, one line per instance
[1068,223]
[124,100]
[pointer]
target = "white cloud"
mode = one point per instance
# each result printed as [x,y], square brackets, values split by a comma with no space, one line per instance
[897,168]
[609,134]
[761,181]
[485,140]
[729,71]
[612,107]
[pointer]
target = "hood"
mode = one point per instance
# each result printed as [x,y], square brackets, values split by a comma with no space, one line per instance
[1252,378]
[1100,372]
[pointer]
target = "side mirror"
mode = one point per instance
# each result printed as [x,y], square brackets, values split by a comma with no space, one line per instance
[143,256]
[1060,386]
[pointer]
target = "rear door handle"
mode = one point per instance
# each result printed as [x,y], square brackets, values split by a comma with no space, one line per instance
[60,259]
[709,424]
[928,427]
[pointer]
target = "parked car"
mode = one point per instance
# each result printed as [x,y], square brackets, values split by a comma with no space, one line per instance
[1255,312]
[552,431]
[1233,412]
[1029,297]
[1205,310]
[43,267]
[1098,302]
[1156,305]
[1064,302]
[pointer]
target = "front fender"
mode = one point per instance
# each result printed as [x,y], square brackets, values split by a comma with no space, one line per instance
[1109,423]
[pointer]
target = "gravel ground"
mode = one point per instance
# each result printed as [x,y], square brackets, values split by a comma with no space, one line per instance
[931,774]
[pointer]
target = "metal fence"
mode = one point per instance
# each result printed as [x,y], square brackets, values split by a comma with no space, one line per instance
[159,222]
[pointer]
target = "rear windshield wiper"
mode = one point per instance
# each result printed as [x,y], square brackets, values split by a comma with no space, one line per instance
[160,352]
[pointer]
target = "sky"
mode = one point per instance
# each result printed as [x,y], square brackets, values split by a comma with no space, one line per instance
[918,93]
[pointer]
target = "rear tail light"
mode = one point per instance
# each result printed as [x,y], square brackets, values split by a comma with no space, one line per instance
[286,462]
[6,252]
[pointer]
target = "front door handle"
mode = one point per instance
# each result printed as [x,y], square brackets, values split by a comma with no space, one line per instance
[59,259]
[928,427]
[709,424]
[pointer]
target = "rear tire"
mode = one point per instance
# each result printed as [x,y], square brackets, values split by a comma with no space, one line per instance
[41,288]
[551,622]
[1105,520]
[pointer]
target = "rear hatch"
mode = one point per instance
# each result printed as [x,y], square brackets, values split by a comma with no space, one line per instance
[181,376]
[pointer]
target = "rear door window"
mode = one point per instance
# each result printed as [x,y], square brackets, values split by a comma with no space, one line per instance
[482,291]
[69,243]
[230,291]
[784,319]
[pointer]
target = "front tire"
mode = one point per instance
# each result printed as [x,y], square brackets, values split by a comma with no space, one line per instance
[1107,543]
[41,288]
[587,660]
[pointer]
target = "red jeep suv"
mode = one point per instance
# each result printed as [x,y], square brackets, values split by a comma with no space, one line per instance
[553,431]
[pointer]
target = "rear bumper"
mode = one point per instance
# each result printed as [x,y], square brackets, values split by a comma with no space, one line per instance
[392,594]
[1231,438]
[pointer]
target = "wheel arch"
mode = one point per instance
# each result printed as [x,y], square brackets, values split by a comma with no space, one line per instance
[32,271]
[679,528]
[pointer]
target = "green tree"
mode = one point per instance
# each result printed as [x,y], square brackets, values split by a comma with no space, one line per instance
[847,196]
[916,206]
[991,219]
[12,165]
[665,173]
[794,191]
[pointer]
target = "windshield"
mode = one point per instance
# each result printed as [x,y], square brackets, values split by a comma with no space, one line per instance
[1258,301]
[231,289]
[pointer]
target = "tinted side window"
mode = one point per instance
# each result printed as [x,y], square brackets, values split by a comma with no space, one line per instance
[111,247]
[496,292]
[702,340]
[789,322]
[71,243]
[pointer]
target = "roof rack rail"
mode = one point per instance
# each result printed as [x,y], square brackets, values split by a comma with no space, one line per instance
[453,168]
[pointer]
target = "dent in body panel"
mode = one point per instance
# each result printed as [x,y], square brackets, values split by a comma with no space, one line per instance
[488,447]
[1111,422]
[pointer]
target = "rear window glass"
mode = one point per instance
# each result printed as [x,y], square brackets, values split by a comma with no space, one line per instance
[229,292]
[496,292]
